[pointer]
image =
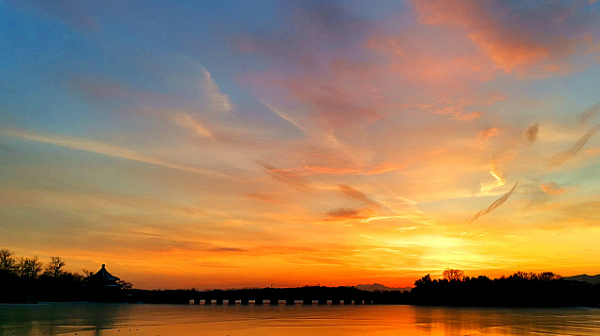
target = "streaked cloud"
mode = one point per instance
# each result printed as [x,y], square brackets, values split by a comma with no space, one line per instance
[468,116]
[351,192]
[101,148]
[585,116]
[344,213]
[382,168]
[290,178]
[184,120]
[565,156]
[493,206]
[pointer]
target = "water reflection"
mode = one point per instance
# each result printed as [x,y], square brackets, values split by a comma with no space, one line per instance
[59,318]
[505,321]
[129,320]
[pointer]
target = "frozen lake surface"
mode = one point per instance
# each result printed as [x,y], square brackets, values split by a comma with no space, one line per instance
[83,319]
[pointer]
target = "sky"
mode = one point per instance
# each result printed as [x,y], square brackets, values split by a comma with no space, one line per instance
[224,144]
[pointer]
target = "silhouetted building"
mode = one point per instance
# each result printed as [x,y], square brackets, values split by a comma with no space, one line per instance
[103,278]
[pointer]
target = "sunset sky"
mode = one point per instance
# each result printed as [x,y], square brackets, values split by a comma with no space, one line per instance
[241,143]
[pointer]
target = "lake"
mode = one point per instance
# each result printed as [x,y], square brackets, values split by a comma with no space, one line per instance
[83,319]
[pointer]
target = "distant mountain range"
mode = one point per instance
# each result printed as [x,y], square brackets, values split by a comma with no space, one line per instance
[382,288]
[587,278]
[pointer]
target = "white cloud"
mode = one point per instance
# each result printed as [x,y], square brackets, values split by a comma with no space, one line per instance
[218,101]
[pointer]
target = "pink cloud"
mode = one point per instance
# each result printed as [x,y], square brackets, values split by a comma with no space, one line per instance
[526,43]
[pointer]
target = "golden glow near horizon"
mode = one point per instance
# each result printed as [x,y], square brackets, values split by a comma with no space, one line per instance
[331,144]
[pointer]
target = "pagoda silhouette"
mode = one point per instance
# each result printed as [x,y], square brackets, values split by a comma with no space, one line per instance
[103,279]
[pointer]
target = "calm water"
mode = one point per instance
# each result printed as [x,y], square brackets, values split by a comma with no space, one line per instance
[151,320]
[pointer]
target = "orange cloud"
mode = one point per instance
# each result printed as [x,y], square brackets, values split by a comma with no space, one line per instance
[382,168]
[321,170]
[488,133]
[592,151]
[385,168]
[552,188]
[468,116]
[458,108]
[507,55]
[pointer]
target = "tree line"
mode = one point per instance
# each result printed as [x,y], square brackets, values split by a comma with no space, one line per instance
[520,289]
[27,279]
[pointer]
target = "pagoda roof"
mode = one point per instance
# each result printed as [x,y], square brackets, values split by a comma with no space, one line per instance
[103,276]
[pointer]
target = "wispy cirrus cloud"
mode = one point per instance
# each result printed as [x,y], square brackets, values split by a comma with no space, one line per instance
[101,148]
[493,206]
[382,168]
[351,192]
[290,178]
[565,156]
[185,121]
[589,113]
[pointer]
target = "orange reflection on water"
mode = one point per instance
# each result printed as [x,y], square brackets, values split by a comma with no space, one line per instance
[138,320]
